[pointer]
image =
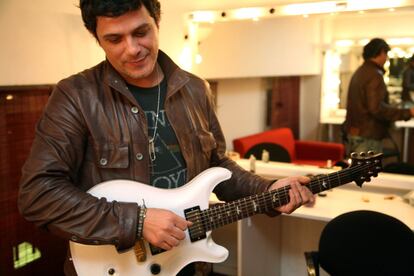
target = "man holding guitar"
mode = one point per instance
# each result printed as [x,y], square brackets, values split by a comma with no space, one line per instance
[136,116]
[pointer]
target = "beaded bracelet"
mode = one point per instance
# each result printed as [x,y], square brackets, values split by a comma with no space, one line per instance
[140,220]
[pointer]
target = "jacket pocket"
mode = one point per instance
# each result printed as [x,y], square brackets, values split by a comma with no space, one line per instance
[207,141]
[112,156]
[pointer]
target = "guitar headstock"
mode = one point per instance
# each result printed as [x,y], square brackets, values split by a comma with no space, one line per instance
[365,165]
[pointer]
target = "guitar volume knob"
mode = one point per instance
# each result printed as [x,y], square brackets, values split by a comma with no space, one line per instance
[155,269]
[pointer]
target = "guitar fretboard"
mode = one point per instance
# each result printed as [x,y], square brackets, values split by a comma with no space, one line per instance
[223,214]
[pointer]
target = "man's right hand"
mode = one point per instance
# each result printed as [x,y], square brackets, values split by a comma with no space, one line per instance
[164,228]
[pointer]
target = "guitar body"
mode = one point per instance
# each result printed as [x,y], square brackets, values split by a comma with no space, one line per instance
[105,260]
[191,201]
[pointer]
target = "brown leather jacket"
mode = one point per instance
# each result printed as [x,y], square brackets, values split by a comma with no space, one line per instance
[368,111]
[93,130]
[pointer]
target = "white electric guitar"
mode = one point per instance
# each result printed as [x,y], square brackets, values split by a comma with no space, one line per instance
[192,202]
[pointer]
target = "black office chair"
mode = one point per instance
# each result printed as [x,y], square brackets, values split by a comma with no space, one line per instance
[364,243]
[399,167]
[276,152]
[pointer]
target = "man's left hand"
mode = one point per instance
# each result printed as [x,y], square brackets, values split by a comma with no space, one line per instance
[299,194]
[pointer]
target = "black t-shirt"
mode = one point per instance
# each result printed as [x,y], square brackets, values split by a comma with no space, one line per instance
[168,170]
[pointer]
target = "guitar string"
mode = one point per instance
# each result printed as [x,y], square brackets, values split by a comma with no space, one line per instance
[217,220]
[217,212]
[209,213]
[208,218]
[260,198]
[316,182]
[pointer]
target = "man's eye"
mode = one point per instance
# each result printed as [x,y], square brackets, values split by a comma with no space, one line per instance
[140,34]
[113,40]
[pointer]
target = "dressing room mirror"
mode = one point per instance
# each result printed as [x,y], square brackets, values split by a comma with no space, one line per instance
[340,62]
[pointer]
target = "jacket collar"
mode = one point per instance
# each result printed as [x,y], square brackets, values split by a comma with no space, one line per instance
[379,68]
[176,77]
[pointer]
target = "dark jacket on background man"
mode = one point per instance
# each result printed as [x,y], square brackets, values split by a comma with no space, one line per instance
[408,82]
[368,111]
[93,130]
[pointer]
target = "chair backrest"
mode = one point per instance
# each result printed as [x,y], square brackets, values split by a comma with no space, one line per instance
[281,136]
[366,243]
[399,167]
[276,152]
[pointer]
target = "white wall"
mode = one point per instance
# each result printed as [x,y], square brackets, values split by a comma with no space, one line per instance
[41,46]
[310,87]
[44,41]
[270,47]
[240,105]
[384,25]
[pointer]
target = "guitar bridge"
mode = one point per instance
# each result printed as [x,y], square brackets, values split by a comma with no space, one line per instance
[197,230]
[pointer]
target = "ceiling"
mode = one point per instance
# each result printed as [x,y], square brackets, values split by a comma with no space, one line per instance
[191,5]
[187,5]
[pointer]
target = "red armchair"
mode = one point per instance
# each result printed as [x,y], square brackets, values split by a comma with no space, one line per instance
[300,151]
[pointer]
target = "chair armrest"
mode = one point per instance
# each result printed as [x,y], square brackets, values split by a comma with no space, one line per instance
[312,264]
[316,150]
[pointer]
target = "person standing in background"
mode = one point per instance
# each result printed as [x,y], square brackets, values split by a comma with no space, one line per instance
[369,114]
[408,81]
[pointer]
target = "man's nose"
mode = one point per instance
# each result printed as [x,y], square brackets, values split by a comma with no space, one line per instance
[132,46]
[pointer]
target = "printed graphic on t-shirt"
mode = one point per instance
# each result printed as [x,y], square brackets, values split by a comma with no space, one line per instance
[168,170]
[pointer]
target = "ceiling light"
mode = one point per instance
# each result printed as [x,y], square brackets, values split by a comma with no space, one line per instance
[203,16]
[344,43]
[248,13]
[377,4]
[401,41]
[309,8]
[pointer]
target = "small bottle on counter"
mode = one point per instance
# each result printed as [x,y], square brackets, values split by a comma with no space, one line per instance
[265,156]
[252,160]
[329,163]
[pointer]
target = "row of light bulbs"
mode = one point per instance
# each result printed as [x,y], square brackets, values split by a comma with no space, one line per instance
[401,47]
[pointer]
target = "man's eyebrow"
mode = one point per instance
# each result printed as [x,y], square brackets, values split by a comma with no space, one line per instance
[139,28]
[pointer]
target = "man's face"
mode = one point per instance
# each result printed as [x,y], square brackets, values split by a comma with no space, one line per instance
[130,42]
[382,58]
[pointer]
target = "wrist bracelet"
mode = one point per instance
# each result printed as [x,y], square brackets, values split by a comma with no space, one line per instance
[140,221]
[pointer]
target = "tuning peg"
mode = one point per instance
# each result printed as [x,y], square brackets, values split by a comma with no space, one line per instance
[371,153]
[354,155]
[362,154]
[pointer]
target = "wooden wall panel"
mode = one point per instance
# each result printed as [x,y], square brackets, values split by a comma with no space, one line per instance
[20,108]
[285,103]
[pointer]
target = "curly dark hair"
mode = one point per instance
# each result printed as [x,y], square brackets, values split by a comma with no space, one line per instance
[374,48]
[91,9]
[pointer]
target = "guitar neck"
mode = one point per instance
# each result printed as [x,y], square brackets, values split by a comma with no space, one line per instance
[223,214]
